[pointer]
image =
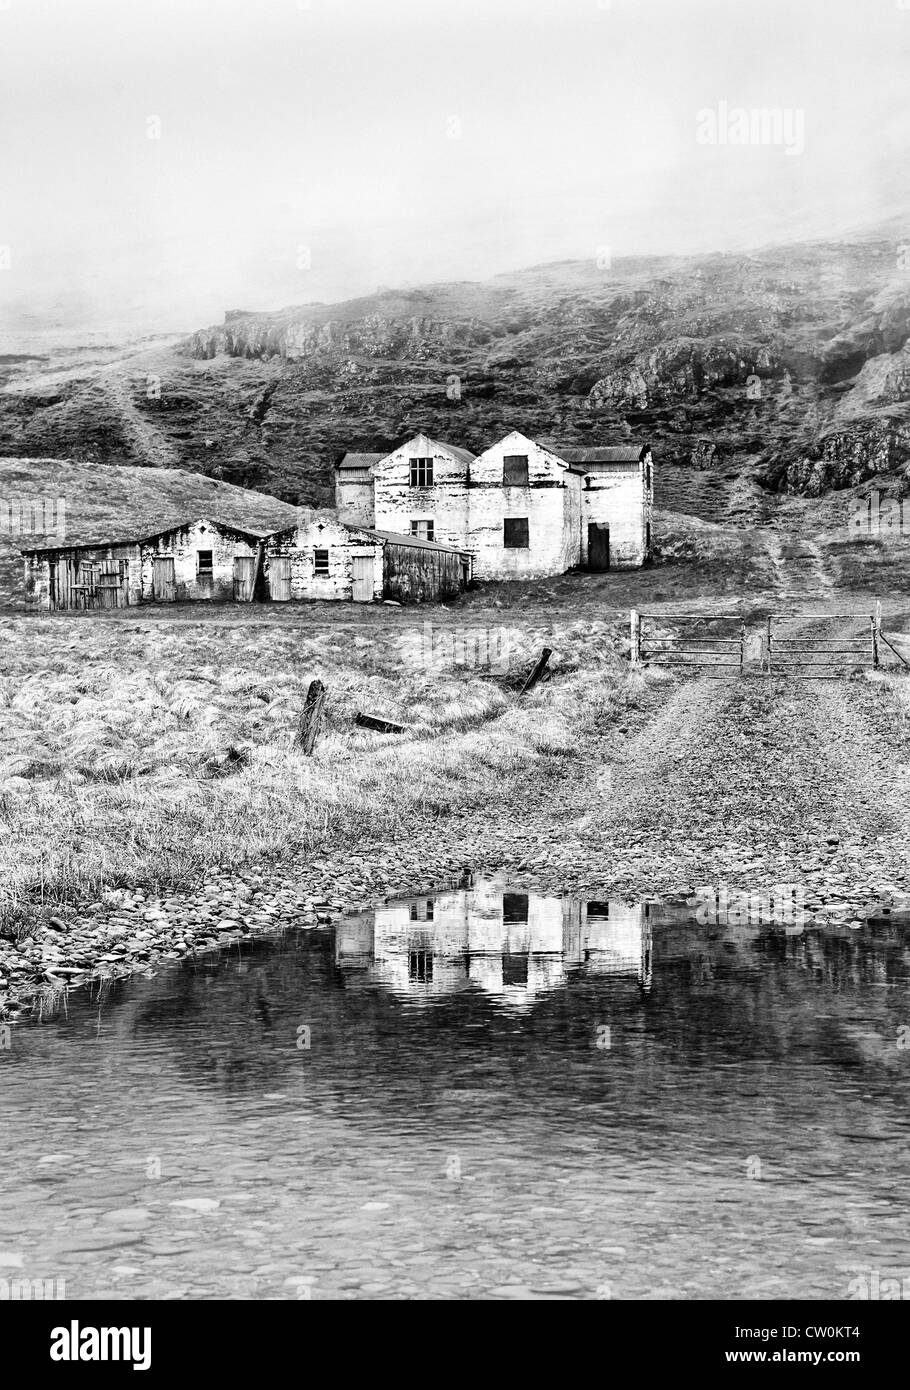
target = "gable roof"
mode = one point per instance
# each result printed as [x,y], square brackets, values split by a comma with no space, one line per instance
[462,455]
[91,538]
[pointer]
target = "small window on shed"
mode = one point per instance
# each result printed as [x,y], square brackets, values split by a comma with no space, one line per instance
[204,565]
[421,472]
[320,562]
[423,530]
[515,470]
[515,533]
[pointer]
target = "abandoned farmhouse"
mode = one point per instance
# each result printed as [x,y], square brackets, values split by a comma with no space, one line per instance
[522,510]
[418,524]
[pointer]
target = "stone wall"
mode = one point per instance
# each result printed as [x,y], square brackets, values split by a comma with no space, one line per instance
[184,544]
[397,504]
[551,501]
[616,495]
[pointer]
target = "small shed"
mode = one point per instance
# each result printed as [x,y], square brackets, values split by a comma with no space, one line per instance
[324,558]
[416,570]
[205,559]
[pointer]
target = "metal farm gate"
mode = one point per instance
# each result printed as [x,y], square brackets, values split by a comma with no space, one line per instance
[713,644]
[798,646]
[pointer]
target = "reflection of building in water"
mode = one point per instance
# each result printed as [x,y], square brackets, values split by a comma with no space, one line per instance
[512,945]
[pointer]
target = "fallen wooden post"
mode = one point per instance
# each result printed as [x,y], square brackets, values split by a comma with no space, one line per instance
[311,718]
[537,670]
[382,726]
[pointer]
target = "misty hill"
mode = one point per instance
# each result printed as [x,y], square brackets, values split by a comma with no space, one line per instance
[790,364]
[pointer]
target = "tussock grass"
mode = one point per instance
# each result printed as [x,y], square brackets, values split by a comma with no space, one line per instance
[140,755]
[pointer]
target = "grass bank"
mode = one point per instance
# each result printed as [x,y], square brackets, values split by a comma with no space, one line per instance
[141,755]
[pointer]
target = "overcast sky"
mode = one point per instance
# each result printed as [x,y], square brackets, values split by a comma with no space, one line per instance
[315,149]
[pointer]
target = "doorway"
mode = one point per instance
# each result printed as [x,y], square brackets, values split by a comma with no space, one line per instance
[598,546]
[362,571]
[164,585]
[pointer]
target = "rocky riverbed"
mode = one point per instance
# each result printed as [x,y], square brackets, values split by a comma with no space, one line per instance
[737,786]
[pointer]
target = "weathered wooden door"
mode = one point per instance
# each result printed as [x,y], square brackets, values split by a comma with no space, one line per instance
[598,546]
[85,590]
[280,578]
[244,577]
[164,584]
[112,587]
[362,570]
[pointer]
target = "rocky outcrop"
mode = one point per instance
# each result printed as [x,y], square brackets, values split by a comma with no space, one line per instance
[793,360]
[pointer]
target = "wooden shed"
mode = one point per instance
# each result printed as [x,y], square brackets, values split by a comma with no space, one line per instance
[417,571]
[196,560]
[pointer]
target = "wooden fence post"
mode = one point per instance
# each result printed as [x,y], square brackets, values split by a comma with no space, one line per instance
[768,644]
[876,624]
[635,635]
[537,670]
[311,718]
[742,645]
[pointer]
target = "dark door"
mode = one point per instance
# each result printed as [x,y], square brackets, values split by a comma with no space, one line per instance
[598,546]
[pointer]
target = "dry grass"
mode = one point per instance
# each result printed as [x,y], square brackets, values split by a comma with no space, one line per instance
[144,754]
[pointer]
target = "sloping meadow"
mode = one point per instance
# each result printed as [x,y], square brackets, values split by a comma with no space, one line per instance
[145,753]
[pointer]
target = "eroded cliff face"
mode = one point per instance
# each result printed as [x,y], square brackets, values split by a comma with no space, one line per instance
[793,362]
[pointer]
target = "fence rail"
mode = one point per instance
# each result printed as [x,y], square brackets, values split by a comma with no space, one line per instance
[673,639]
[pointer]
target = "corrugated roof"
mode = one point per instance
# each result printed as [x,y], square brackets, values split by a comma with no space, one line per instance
[399,538]
[359,460]
[609,453]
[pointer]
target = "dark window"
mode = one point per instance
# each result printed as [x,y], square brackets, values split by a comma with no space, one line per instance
[515,470]
[422,911]
[204,566]
[421,472]
[320,562]
[647,535]
[515,970]
[420,966]
[514,907]
[423,530]
[515,532]
[647,475]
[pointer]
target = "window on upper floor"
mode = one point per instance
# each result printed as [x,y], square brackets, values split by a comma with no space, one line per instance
[515,533]
[515,470]
[424,530]
[421,472]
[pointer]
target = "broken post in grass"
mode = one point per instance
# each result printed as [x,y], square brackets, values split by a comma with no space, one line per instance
[311,718]
[537,670]
[382,726]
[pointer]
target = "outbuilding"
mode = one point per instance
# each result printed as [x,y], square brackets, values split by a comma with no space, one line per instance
[204,560]
[324,558]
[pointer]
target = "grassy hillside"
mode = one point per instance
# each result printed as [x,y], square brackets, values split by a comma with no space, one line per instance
[100,502]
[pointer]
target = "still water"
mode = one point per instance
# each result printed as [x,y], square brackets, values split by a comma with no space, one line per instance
[476,1092]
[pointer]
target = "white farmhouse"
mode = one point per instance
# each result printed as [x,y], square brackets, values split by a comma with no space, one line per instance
[521,509]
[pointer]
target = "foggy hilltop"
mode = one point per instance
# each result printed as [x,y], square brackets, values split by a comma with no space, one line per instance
[790,363]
